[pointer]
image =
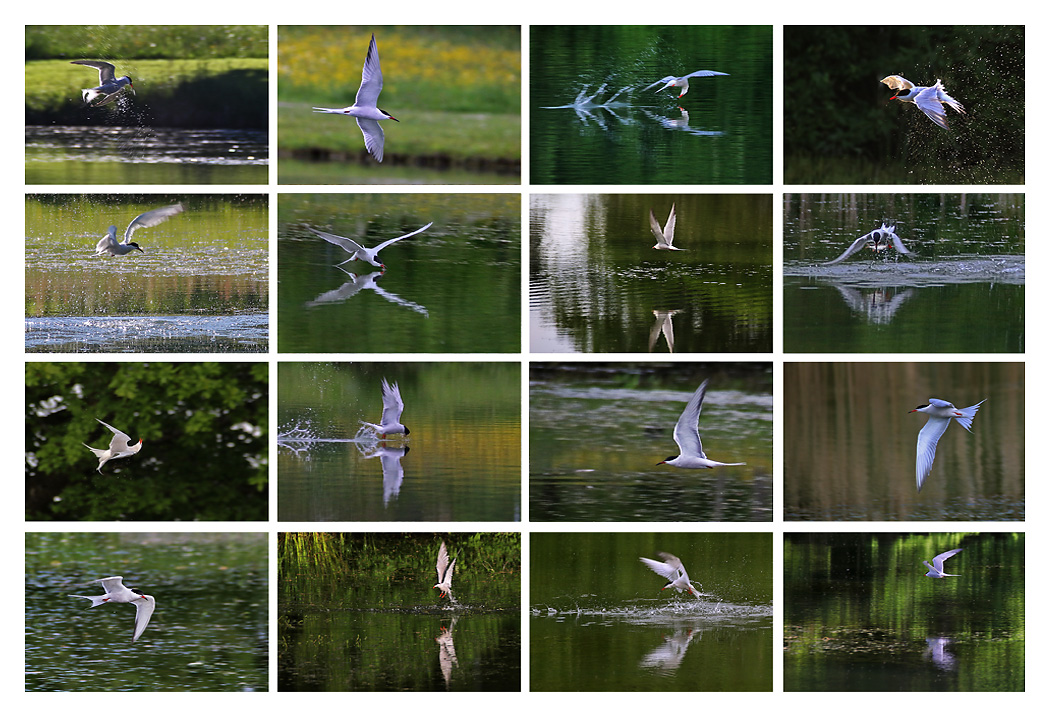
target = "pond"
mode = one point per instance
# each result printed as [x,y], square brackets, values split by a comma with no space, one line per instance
[850,442]
[209,632]
[145,155]
[598,431]
[455,287]
[592,120]
[597,285]
[861,615]
[461,460]
[200,283]
[961,289]
[599,620]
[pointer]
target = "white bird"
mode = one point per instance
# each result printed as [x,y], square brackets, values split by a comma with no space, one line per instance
[116,592]
[444,573]
[940,415]
[108,84]
[937,569]
[665,236]
[119,447]
[930,100]
[683,81]
[687,436]
[364,108]
[392,408]
[363,253]
[674,572]
[109,244]
[879,239]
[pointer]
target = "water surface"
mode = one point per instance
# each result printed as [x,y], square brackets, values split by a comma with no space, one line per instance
[860,614]
[145,155]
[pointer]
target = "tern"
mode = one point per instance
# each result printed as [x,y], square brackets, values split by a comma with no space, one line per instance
[674,572]
[930,100]
[363,253]
[879,239]
[116,592]
[392,408]
[665,236]
[940,415]
[683,81]
[119,447]
[937,569]
[364,108]
[444,573]
[687,436]
[109,244]
[108,84]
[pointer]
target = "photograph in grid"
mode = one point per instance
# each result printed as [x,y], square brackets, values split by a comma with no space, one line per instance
[904,273]
[146,104]
[904,612]
[399,612]
[650,441]
[664,612]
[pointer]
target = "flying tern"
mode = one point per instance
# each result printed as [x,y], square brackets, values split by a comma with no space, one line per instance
[683,81]
[937,569]
[930,100]
[444,573]
[879,240]
[119,447]
[363,253]
[392,408]
[687,436]
[109,86]
[665,236]
[109,244]
[116,592]
[940,415]
[674,572]
[364,108]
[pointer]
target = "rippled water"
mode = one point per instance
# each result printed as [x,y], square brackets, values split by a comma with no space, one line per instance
[148,334]
[144,155]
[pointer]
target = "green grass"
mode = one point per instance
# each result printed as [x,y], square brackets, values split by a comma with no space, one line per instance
[139,42]
[225,92]
[419,133]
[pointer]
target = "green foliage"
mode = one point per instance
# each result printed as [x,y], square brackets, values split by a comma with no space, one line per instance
[135,41]
[204,430]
